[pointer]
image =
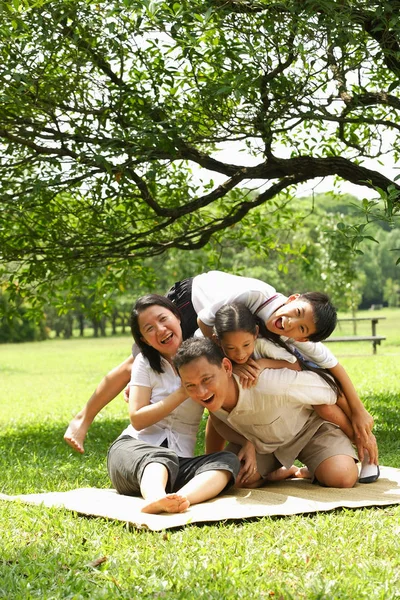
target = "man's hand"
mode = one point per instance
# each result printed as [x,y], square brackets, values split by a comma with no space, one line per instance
[247,456]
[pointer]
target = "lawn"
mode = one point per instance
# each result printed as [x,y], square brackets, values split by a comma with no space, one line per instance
[48,553]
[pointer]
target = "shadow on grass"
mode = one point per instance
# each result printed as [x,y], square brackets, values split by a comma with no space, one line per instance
[35,458]
[385,408]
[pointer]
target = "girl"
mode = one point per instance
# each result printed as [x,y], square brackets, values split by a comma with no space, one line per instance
[154,455]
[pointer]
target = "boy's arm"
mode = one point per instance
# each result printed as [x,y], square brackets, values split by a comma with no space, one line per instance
[334,414]
[206,330]
[361,420]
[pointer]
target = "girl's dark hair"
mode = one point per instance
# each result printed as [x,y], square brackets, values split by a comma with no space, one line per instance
[237,317]
[234,317]
[152,355]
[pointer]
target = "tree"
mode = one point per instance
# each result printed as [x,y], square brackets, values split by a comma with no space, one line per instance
[112,115]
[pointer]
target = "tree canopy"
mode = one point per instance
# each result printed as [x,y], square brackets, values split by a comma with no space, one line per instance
[112,116]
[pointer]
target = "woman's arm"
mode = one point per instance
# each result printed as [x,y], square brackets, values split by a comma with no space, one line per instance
[227,432]
[143,414]
[214,441]
[247,453]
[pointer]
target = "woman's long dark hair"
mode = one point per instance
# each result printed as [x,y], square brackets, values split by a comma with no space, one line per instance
[152,355]
[237,317]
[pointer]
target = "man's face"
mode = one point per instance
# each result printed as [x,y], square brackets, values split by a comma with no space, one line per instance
[205,383]
[295,319]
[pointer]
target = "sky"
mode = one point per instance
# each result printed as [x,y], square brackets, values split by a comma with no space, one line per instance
[232,155]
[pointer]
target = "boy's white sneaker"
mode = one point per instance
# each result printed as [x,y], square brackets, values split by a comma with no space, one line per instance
[369,472]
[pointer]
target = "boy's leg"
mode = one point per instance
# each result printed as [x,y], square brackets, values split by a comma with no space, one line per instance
[109,387]
[330,457]
[338,471]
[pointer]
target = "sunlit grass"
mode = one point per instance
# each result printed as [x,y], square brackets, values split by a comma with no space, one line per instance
[49,553]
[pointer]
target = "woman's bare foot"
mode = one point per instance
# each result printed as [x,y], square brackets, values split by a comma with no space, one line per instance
[76,433]
[171,503]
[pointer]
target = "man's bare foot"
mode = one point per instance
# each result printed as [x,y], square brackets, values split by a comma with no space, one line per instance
[302,473]
[171,503]
[283,473]
[76,433]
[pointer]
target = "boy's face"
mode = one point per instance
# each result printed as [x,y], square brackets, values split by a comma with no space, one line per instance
[205,383]
[295,319]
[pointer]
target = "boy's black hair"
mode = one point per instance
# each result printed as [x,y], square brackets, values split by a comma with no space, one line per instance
[325,315]
[195,348]
[152,355]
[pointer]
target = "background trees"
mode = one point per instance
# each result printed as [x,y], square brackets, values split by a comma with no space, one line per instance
[112,116]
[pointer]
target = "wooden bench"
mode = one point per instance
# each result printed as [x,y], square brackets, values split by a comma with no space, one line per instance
[374,338]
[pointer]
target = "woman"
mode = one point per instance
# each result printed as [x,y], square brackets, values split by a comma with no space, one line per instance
[154,455]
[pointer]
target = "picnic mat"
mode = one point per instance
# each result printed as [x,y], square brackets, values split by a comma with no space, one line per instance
[290,497]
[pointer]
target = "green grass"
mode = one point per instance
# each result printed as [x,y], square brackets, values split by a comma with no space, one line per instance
[49,553]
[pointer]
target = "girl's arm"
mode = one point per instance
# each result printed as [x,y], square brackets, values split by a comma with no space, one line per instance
[361,420]
[143,414]
[249,372]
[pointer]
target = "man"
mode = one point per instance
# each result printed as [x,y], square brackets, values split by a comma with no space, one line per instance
[275,415]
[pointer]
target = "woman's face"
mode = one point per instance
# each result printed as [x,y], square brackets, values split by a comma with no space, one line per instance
[161,329]
[238,346]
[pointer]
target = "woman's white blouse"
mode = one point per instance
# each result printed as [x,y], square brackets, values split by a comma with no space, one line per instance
[180,427]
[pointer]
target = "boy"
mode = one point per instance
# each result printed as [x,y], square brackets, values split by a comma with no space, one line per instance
[276,415]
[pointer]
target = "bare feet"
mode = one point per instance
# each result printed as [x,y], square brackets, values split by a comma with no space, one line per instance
[76,433]
[171,503]
[284,473]
[303,473]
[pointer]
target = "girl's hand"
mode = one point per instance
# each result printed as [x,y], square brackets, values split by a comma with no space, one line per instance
[247,373]
[247,456]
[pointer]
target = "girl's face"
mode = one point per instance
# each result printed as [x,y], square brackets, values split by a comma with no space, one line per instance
[161,329]
[238,346]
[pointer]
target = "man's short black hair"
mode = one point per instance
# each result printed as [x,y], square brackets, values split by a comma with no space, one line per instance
[195,348]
